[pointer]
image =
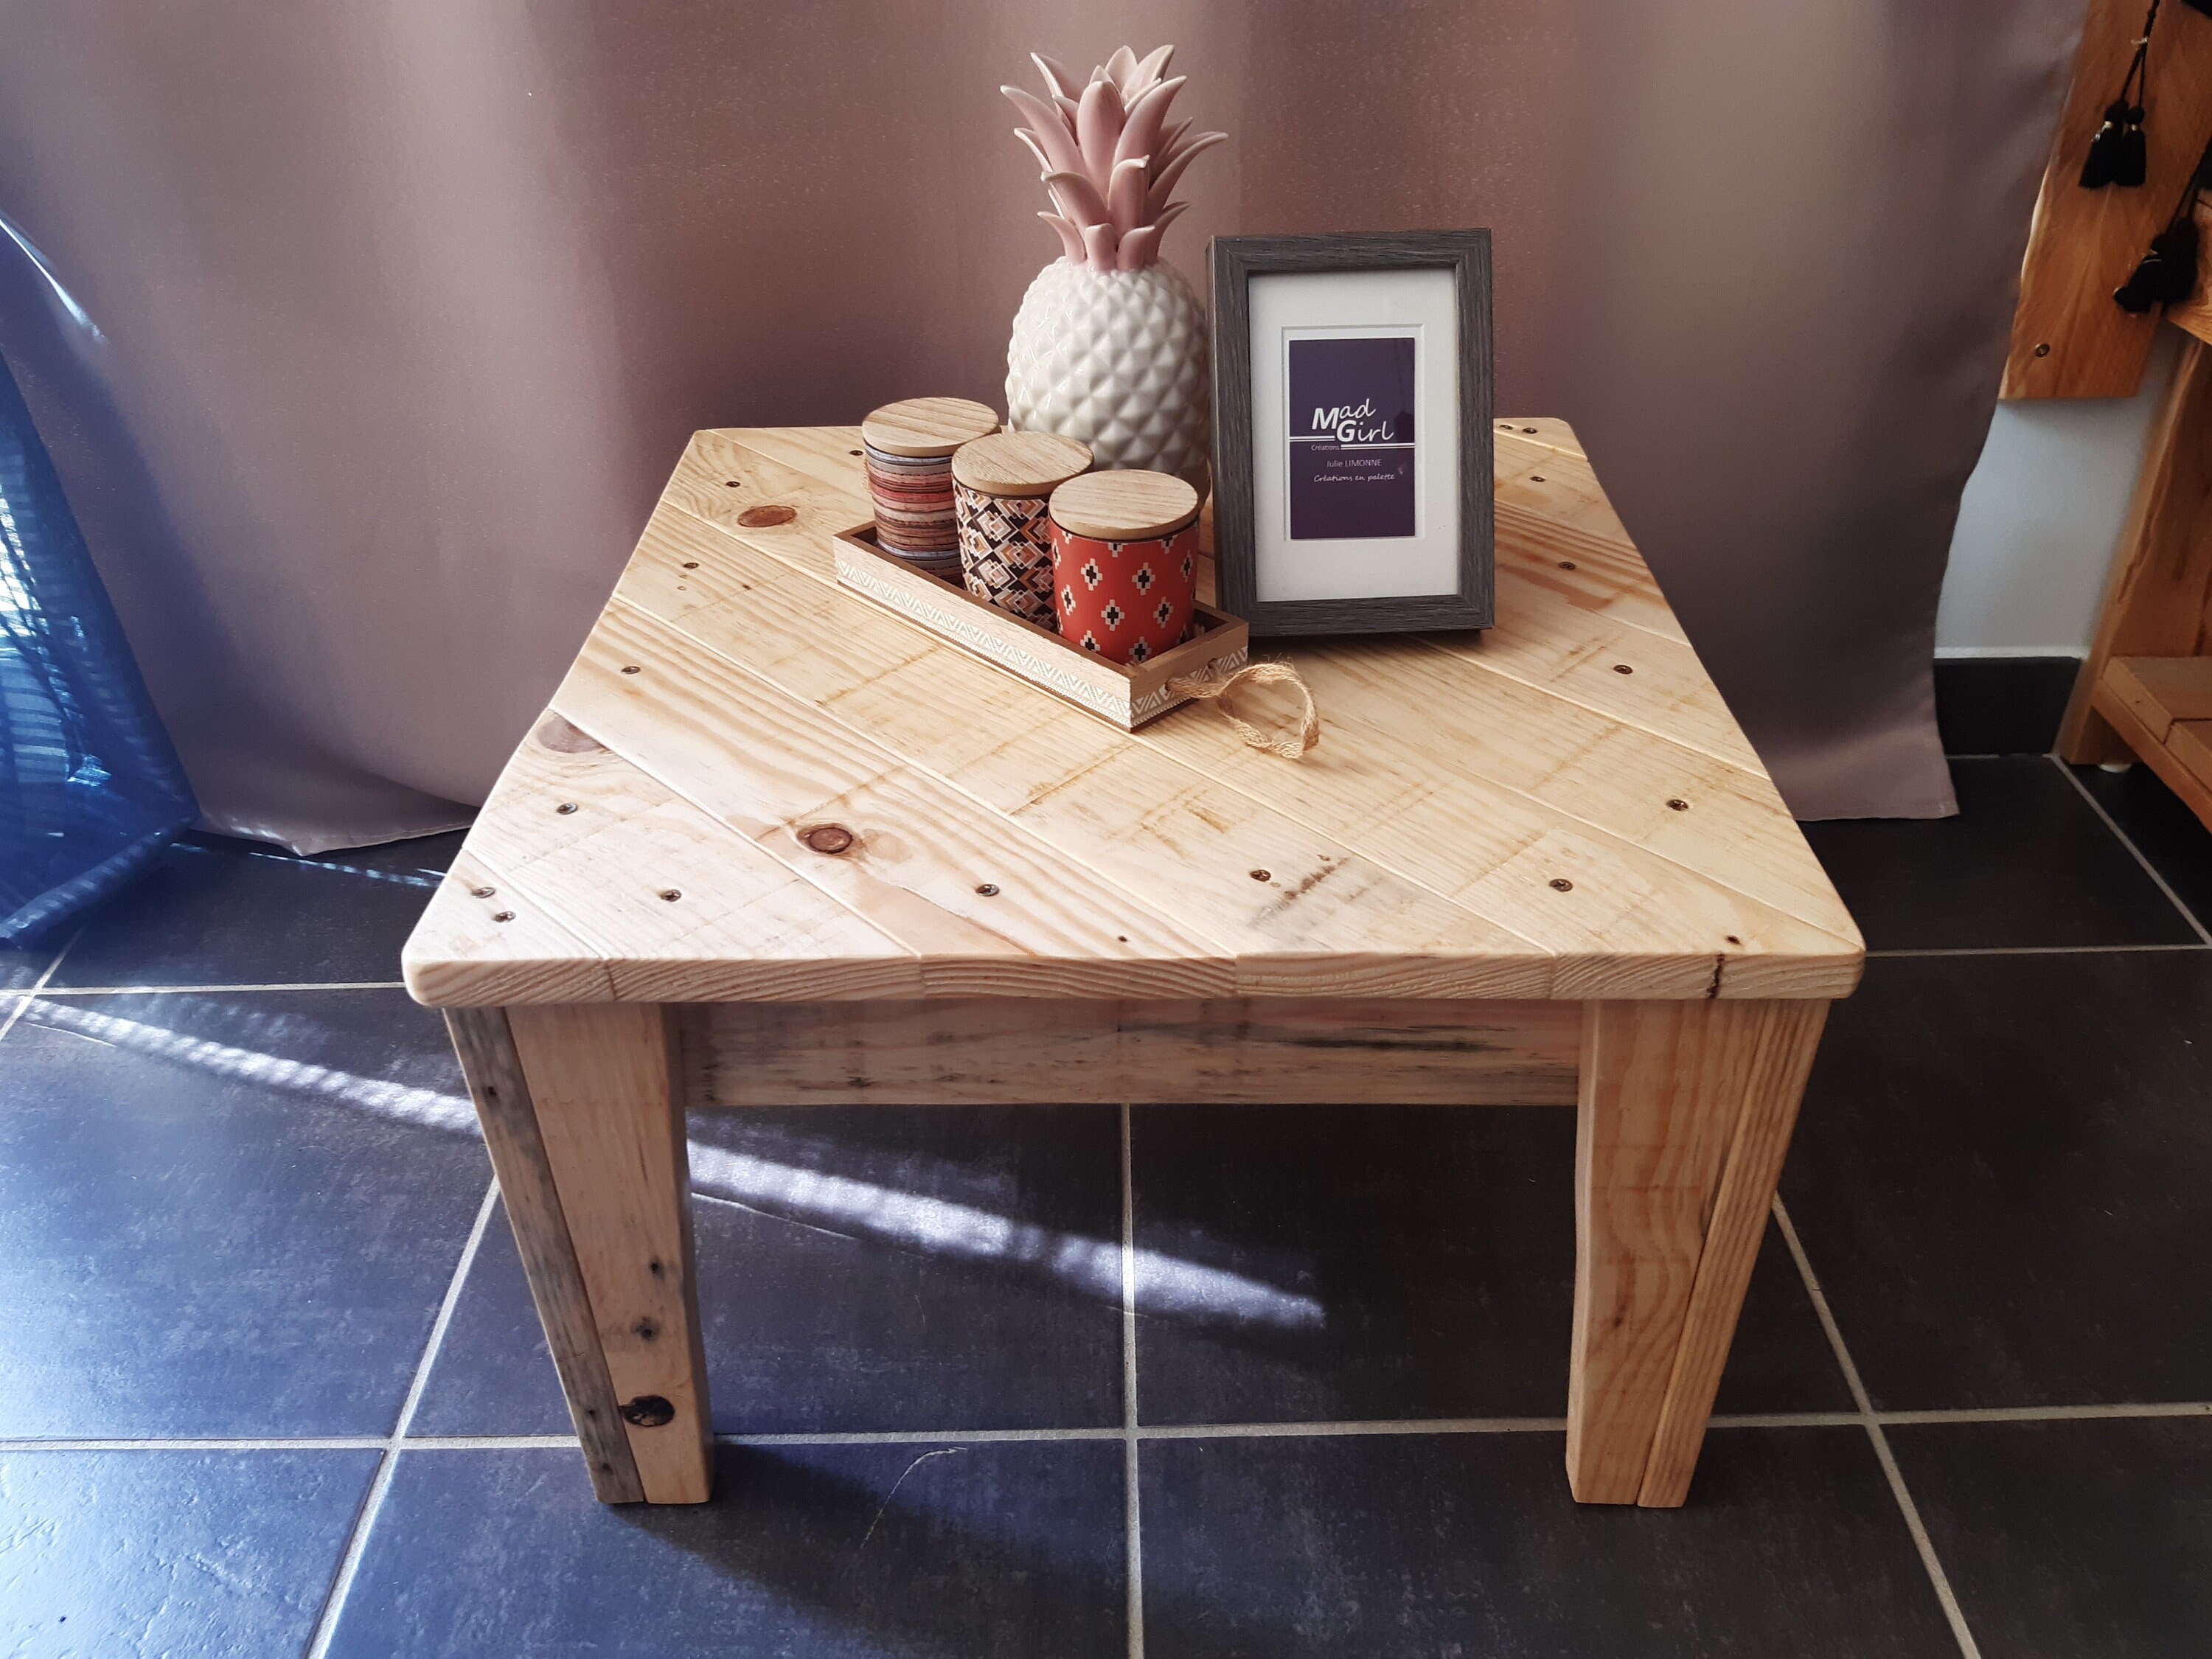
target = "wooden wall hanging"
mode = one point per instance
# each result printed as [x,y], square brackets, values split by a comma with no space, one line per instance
[2068,338]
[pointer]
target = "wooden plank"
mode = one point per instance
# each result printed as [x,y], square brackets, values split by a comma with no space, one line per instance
[504,1107]
[1542,640]
[605,1082]
[482,943]
[2136,742]
[2162,689]
[1663,1086]
[1557,533]
[1780,1042]
[1731,827]
[2189,742]
[1323,919]
[1627,917]
[897,689]
[984,905]
[2157,594]
[1547,431]
[742,925]
[956,1051]
[2068,338]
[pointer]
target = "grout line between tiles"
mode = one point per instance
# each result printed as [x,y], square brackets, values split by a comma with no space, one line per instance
[357,1541]
[1131,1518]
[206,990]
[30,993]
[2126,841]
[1968,1648]
[322,1442]
[1319,1431]
[2051,1413]
[2034,950]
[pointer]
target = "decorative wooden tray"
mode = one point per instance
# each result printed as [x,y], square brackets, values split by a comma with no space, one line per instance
[1128,695]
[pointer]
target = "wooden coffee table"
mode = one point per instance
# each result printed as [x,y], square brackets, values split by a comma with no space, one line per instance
[773,845]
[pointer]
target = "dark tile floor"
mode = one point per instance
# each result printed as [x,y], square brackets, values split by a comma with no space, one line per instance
[270,1383]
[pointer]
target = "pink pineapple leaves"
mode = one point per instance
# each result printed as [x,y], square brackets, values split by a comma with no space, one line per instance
[1107,157]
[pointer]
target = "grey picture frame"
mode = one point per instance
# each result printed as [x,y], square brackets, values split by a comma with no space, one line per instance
[1233,261]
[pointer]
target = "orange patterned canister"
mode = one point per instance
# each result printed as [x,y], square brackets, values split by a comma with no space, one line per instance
[1001,489]
[1125,563]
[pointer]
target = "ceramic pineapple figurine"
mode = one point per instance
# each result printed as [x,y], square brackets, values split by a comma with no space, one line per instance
[1109,345]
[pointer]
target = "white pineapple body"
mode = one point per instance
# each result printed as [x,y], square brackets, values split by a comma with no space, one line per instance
[1117,359]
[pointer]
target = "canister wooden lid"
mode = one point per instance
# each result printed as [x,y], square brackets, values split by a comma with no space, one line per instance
[1019,462]
[1124,507]
[924,427]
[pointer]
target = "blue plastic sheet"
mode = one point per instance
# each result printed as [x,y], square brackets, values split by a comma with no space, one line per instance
[90,788]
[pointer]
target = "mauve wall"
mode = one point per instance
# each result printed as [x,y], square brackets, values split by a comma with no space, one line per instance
[405,310]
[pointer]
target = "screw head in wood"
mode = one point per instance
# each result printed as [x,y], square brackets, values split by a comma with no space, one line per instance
[1676,804]
[502,915]
[733,483]
[483,892]
[828,838]
[987,889]
[759,517]
[633,669]
[1622,668]
[2043,350]
[1732,939]
[690,564]
[648,1411]
[1259,875]
[852,451]
[1567,564]
[1535,477]
[671,894]
[1527,428]
[1562,884]
[565,808]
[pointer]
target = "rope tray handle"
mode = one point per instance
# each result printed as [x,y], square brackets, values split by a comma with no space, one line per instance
[1205,688]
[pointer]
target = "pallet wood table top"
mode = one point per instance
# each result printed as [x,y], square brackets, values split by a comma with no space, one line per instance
[757,785]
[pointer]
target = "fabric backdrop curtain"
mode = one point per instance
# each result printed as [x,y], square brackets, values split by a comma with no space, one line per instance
[365,334]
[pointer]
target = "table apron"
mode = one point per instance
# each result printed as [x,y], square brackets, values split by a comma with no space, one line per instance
[1260,1050]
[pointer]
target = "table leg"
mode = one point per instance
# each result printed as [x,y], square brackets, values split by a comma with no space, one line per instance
[582,1109]
[1684,1112]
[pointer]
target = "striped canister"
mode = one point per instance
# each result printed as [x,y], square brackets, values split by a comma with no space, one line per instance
[910,448]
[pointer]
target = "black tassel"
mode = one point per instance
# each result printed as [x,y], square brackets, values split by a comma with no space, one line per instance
[2131,155]
[2117,153]
[2167,275]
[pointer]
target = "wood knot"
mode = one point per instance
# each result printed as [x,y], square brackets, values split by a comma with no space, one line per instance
[827,838]
[760,518]
[557,734]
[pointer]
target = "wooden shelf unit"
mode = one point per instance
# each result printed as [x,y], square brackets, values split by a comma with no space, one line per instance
[2161,708]
[2145,692]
